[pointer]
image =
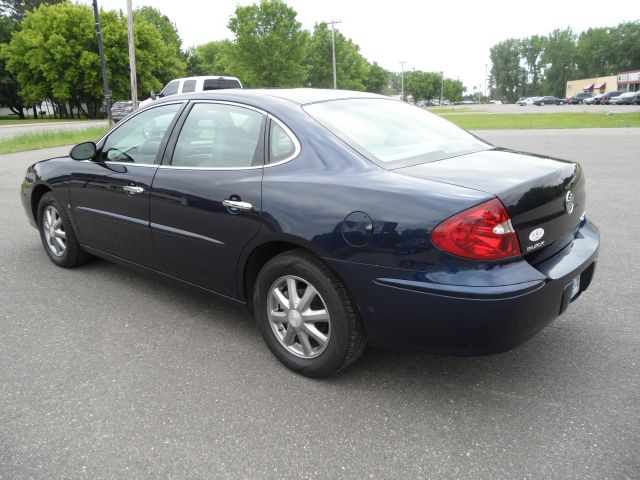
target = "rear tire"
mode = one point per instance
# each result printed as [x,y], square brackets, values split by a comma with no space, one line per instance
[306,316]
[57,235]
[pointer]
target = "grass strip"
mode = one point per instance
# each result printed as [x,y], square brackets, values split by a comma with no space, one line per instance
[526,121]
[36,141]
[13,120]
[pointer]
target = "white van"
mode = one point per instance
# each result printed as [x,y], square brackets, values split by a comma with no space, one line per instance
[193,84]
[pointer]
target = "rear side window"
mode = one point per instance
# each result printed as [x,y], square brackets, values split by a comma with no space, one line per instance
[233,84]
[189,86]
[219,136]
[281,146]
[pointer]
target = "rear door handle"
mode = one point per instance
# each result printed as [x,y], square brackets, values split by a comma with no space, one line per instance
[237,204]
[133,189]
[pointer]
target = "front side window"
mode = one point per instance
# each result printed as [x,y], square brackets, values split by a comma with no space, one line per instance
[394,134]
[171,88]
[219,136]
[138,139]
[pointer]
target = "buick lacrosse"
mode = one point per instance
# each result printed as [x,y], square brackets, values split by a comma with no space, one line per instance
[339,218]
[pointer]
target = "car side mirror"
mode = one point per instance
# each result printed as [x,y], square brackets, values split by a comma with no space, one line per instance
[84,151]
[154,95]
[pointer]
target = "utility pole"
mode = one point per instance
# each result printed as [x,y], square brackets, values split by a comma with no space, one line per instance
[441,86]
[333,49]
[105,82]
[486,94]
[132,57]
[402,81]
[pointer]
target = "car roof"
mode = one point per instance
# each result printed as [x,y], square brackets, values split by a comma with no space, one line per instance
[215,77]
[300,96]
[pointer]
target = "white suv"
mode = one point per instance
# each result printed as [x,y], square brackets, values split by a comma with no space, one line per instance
[193,84]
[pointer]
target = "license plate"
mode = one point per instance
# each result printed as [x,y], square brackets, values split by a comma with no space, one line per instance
[575,287]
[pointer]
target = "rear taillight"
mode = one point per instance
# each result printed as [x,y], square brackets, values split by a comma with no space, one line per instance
[483,232]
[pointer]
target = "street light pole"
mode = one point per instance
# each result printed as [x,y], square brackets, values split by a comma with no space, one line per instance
[132,57]
[333,49]
[105,82]
[486,94]
[402,81]
[441,86]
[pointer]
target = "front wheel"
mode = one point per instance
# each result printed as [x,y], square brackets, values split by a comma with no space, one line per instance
[57,235]
[306,316]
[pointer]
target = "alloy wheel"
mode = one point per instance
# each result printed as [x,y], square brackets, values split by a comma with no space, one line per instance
[298,317]
[54,233]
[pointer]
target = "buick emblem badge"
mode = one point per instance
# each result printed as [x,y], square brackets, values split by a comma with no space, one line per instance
[536,235]
[569,202]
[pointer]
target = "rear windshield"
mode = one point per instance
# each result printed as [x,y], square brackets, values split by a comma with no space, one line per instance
[394,134]
[219,84]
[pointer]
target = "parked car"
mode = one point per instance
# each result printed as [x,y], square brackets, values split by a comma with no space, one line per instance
[548,100]
[593,100]
[636,99]
[579,98]
[527,101]
[121,109]
[606,98]
[341,218]
[193,84]
[625,98]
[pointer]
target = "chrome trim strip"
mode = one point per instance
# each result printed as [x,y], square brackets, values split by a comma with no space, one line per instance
[124,164]
[296,142]
[116,216]
[171,167]
[185,233]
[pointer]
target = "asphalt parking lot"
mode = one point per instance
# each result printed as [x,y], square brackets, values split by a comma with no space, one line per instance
[108,374]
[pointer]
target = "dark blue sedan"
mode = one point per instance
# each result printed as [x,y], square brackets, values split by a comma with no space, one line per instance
[339,218]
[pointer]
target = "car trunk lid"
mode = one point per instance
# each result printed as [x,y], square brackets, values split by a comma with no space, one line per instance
[545,197]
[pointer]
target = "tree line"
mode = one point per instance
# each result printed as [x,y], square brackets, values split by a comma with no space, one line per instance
[542,64]
[48,52]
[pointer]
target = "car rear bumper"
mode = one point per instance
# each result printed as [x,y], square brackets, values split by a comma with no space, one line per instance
[402,313]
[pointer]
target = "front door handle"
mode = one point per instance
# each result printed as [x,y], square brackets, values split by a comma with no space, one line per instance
[237,204]
[133,189]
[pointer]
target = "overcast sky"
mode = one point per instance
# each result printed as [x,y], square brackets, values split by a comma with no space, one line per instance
[450,36]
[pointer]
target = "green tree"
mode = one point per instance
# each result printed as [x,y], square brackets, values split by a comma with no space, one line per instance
[8,84]
[377,80]
[17,9]
[559,60]
[508,75]
[55,56]
[352,68]
[175,64]
[452,90]
[210,58]
[270,46]
[422,85]
[532,49]
[625,39]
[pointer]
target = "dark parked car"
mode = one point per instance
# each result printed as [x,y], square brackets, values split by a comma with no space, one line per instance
[548,101]
[121,109]
[340,218]
[579,98]
[606,98]
[626,98]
